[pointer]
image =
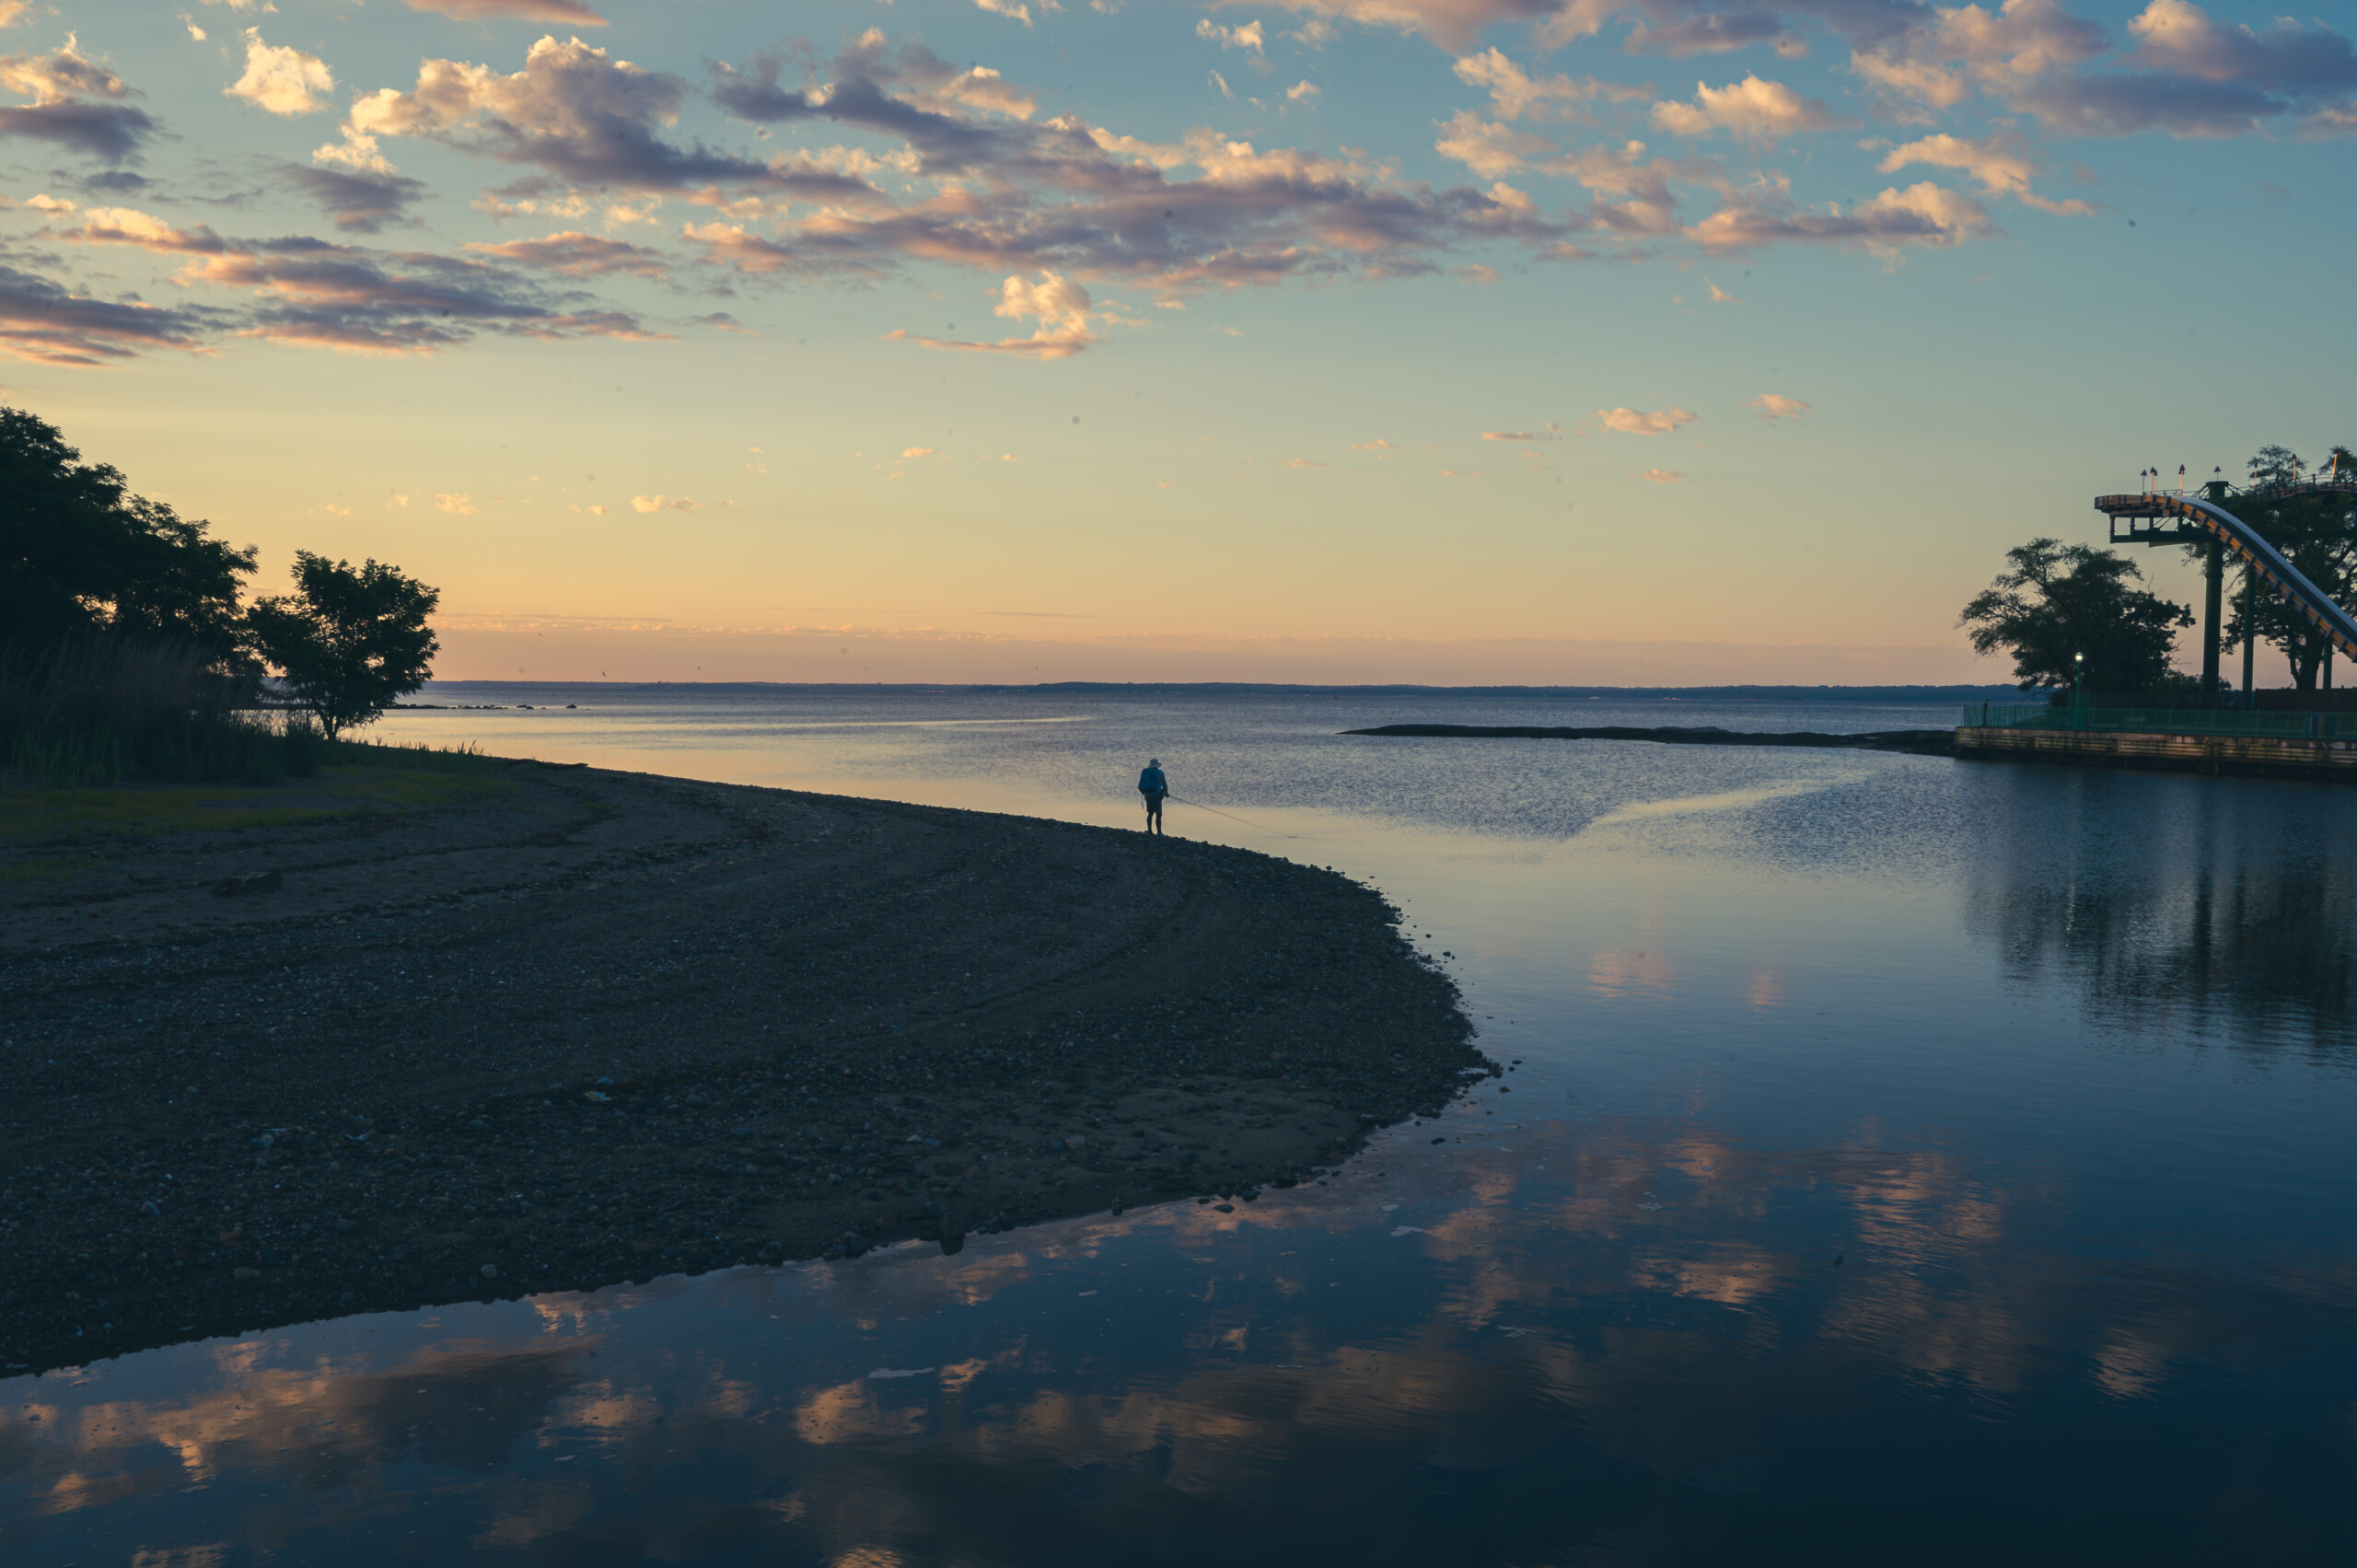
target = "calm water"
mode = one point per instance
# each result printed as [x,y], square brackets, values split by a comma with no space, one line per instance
[1907,1162]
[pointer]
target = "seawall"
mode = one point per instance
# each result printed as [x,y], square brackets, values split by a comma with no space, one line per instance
[2263,756]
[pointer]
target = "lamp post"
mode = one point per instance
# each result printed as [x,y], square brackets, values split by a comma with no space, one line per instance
[2078,690]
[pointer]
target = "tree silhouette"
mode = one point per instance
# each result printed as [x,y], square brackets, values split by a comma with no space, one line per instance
[80,554]
[2060,601]
[348,644]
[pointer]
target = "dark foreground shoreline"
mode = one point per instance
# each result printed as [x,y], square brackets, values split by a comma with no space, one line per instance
[583,1027]
[1920,742]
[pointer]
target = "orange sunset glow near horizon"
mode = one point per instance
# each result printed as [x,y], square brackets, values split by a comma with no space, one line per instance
[1647,342]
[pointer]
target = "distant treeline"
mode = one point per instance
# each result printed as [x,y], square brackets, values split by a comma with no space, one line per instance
[1242,688]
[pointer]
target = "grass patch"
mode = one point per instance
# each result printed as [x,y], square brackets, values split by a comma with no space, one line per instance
[440,760]
[374,788]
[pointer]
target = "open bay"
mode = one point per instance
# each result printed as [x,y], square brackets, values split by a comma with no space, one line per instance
[1902,1159]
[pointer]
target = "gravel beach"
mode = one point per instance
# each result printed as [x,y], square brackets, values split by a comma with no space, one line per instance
[546,1029]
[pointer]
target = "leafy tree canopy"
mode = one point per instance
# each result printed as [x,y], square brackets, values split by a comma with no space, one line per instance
[2318,533]
[2062,600]
[79,553]
[348,644]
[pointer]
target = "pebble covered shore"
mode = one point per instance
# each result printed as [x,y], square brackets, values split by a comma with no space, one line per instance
[588,1027]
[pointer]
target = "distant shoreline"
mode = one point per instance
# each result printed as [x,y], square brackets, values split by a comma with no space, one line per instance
[1919,742]
[1280,689]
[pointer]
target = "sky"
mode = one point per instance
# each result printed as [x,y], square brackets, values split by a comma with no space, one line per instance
[1458,341]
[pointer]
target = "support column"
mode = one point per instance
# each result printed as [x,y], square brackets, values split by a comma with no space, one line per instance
[2213,575]
[2250,626]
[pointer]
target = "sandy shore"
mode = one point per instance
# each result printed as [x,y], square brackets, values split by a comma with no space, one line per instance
[545,1028]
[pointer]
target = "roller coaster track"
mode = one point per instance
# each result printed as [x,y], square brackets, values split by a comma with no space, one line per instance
[2243,540]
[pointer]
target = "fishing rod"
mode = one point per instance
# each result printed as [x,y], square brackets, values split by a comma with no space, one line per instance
[1213,810]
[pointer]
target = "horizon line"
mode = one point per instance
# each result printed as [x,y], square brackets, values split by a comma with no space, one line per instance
[1941,689]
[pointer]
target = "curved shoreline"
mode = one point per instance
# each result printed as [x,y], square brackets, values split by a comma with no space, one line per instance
[585,1027]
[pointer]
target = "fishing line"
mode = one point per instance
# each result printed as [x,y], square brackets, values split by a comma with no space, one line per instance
[1213,810]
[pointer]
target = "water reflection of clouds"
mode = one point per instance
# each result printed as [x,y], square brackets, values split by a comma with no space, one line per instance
[1674,1335]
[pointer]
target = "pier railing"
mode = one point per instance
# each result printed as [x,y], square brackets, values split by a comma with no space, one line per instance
[2160,721]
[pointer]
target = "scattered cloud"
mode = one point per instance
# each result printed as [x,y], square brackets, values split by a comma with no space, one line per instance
[2176,37]
[2186,75]
[1221,83]
[1490,148]
[359,202]
[908,452]
[1636,422]
[1376,446]
[560,13]
[579,255]
[2001,164]
[1061,307]
[1661,476]
[1514,93]
[1304,463]
[1923,214]
[283,80]
[1677,27]
[1013,9]
[1082,202]
[664,503]
[61,85]
[46,323]
[1774,406]
[1522,437]
[582,118]
[1301,90]
[460,505]
[1452,473]
[1720,296]
[1247,37]
[317,294]
[395,502]
[1751,109]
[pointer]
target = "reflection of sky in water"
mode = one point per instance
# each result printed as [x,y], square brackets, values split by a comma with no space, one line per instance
[1909,1161]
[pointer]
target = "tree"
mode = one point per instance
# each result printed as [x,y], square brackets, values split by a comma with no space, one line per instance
[2063,600]
[80,554]
[347,643]
[2316,533]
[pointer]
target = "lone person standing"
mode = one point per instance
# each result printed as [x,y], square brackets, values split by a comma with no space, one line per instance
[1154,786]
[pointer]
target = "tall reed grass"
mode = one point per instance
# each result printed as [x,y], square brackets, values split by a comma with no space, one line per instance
[98,710]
